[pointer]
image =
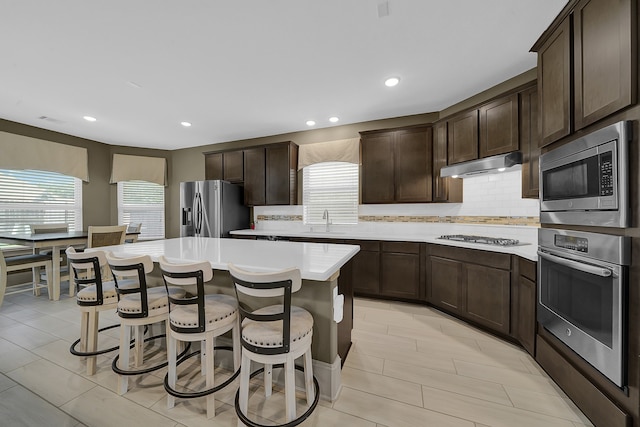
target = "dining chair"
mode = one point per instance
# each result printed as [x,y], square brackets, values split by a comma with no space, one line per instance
[133,227]
[22,262]
[199,318]
[273,334]
[38,275]
[138,306]
[107,235]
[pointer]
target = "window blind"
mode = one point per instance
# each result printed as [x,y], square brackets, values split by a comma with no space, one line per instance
[38,197]
[143,202]
[331,186]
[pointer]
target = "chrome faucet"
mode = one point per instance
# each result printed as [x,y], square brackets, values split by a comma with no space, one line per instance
[325,215]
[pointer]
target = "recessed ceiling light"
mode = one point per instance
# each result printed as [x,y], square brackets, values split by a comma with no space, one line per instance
[502,169]
[333,119]
[454,176]
[311,123]
[185,124]
[391,81]
[89,118]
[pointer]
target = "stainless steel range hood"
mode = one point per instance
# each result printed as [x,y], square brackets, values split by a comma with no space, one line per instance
[494,164]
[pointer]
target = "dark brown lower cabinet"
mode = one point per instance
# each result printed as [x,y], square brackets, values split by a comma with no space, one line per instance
[400,270]
[524,302]
[366,268]
[488,296]
[389,270]
[472,284]
[445,284]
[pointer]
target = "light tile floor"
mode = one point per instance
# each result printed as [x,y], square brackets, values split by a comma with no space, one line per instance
[409,365]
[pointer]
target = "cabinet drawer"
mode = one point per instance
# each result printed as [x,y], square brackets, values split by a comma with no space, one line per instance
[473,256]
[401,247]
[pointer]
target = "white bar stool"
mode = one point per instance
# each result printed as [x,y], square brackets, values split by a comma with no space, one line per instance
[201,318]
[273,335]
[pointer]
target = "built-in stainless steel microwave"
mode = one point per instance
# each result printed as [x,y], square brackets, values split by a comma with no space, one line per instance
[586,182]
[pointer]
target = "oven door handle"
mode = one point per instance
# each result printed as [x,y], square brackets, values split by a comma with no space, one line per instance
[587,268]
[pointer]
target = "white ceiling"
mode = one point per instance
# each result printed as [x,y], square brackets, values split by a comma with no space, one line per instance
[240,69]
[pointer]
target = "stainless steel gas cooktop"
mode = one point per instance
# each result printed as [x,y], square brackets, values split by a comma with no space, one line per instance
[482,239]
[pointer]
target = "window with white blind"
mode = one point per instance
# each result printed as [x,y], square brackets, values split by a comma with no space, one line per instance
[330,186]
[142,202]
[38,197]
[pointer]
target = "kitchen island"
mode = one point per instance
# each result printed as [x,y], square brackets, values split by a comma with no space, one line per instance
[319,266]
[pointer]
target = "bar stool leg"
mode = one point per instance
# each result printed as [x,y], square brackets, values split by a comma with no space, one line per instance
[138,348]
[211,401]
[92,341]
[172,371]
[308,376]
[237,350]
[290,388]
[203,357]
[245,373]
[123,361]
[268,379]
[84,324]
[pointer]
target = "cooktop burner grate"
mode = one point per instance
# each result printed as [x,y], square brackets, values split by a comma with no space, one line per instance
[481,239]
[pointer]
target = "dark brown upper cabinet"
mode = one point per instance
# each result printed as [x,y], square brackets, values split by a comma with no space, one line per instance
[213,166]
[554,72]
[586,67]
[254,176]
[233,166]
[270,176]
[444,189]
[267,172]
[281,164]
[397,165]
[463,137]
[602,57]
[529,142]
[499,126]
[226,165]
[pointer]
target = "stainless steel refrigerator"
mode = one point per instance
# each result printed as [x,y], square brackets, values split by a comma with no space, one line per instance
[211,209]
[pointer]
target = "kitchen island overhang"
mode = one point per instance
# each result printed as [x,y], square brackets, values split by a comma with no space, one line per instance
[319,265]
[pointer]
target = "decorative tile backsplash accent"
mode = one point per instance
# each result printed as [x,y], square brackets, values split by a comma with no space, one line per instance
[532,221]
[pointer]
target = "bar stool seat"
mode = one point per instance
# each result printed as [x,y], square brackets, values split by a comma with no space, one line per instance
[218,310]
[269,334]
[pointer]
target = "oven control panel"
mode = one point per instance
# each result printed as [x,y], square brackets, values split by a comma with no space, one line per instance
[579,244]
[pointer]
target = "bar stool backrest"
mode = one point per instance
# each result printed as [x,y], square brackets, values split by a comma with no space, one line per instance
[189,274]
[87,271]
[132,268]
[269,291]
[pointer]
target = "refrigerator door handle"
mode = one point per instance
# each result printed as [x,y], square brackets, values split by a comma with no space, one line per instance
[197,211]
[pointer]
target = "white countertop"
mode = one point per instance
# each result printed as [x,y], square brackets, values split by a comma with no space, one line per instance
[528,250]
[316,261]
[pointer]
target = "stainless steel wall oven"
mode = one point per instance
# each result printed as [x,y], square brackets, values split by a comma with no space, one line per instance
[582,296]
[586,182]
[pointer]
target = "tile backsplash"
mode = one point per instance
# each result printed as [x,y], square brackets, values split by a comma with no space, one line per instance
[488,199]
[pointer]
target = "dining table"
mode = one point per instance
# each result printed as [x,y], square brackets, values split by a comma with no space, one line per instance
[54,242]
